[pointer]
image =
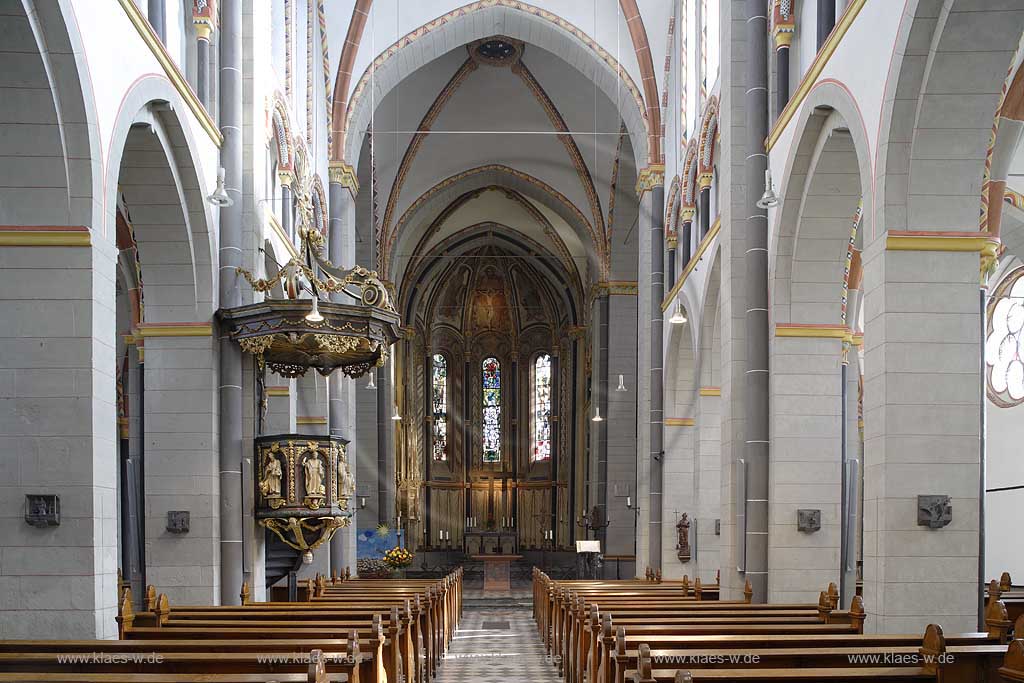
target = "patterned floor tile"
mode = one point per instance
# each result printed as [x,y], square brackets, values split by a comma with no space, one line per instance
[507,655]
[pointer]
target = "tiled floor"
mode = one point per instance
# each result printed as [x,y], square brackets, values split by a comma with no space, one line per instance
[510,655]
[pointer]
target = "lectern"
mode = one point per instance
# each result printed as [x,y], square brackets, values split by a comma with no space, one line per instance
[588,559]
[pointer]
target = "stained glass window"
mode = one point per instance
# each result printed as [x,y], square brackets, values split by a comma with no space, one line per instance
[492,410]
[541,408]
[1004,346]
[439,405]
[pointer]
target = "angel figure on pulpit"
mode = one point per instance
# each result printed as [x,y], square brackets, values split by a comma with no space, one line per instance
[270,485]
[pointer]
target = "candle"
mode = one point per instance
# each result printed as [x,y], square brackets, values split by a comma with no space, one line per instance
[629,502]
[440,536]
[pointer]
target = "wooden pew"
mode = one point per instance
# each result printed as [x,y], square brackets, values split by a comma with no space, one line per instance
[963,658]
[315,672]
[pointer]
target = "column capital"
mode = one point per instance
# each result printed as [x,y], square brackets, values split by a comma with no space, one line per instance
[343,174]
[650,177]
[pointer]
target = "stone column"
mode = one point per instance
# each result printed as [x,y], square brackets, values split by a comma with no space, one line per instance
[705,206]
[157,15]
[203,22]
[342,391]
[651,188]
[783,28]
[385,444]
[687,238]
[286,206]
[58,423]
[826,20]
[601,401]
[756,389]
[671,261]
[230,257]
[181,473]
[923,431]
[280,417]
[311,404]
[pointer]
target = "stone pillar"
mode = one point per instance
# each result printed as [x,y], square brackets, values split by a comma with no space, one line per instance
[756,386]
[342,391]
[385,444]
[687,239]
[157,15]
[280,417]
[287,212]
[58,418]
[651,188]
[203,22]
[783,29]
[230,257]
[826,20]
[923,432]
[181,472]
[705,207]
[601,401]
[311,404]
[671,262]
[806,462]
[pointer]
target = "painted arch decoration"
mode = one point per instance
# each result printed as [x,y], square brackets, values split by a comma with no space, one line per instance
[672,211]
[708,131]
[282,134]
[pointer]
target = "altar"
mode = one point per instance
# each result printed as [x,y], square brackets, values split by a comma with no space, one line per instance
[480,542]
[497,571]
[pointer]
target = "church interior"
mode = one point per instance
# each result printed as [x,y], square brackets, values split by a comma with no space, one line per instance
[586,340]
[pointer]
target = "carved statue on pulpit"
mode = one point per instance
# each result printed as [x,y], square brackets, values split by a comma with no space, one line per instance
[683,538]
[314,468]
[270,485]
[346,484]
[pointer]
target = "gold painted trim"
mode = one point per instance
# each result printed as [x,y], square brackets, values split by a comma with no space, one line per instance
[857,339]
[649,177]
[147,330]
[343,174]
[711,391]
[623,287]
[310,420]
[41,237]
[679,422]
[172,71]
[694,260]
[278,391]
[129,339]
[817,66]
[812,331]
[281,234]
[931,241]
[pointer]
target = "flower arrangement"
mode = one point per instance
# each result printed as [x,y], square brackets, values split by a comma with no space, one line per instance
[369,568]
[398,558]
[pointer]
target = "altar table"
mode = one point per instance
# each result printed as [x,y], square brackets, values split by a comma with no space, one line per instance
[497,571]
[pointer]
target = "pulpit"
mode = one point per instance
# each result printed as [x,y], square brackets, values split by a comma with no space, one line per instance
[497,571]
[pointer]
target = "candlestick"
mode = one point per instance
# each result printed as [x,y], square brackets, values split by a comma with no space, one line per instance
[629,502]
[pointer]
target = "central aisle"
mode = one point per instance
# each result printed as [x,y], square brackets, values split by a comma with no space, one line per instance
[500,645]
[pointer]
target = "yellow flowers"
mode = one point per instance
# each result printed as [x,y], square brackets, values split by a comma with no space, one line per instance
[398,557]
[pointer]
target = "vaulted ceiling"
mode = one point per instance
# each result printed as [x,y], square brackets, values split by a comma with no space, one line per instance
[526,121]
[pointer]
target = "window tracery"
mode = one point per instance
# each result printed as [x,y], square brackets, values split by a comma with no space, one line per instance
[491,410]
[541,427]
[439,407]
